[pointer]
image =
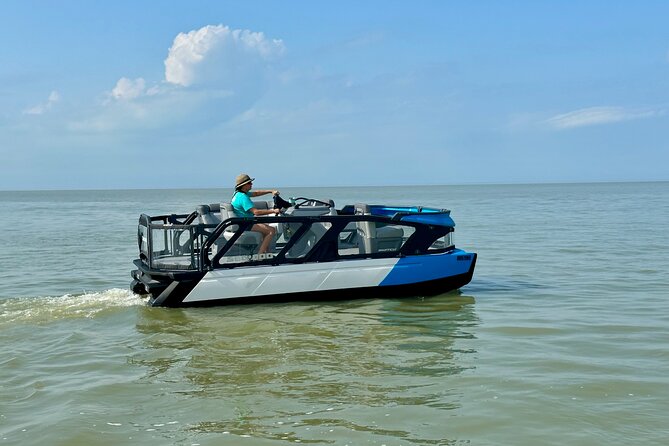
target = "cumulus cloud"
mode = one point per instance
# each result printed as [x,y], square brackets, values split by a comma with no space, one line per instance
[212,74]
[42,108]
[215,54]
[126,89]
[598,116]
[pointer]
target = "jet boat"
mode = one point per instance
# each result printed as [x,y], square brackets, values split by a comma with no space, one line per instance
[210,256]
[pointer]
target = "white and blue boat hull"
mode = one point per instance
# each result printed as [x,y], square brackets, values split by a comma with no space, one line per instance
[416,275]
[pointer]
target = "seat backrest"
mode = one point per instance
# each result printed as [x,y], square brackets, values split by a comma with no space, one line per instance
[205,216]
[308,240]
[248,241]
[262,204]
[374,238]
[227,211]
[366,229]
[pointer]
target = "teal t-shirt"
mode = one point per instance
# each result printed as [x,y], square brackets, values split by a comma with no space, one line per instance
[242,204]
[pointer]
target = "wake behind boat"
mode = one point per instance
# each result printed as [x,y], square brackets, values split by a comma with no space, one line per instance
[211,257]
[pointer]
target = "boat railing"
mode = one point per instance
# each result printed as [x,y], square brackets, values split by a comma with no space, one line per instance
[326,238]
[171,241]
[181,242]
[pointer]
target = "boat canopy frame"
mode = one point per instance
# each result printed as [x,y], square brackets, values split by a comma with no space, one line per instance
[428,224]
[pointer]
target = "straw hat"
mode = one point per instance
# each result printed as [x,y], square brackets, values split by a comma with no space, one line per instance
[242,179]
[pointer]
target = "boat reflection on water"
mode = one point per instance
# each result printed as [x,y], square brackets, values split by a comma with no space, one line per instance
[304,371]
[429,331]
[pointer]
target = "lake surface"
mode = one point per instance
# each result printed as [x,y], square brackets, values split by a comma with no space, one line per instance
[561,338]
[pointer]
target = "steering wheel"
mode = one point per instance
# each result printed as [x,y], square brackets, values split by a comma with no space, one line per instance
[280,203]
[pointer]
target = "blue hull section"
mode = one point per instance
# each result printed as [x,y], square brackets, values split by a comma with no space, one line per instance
[426,268]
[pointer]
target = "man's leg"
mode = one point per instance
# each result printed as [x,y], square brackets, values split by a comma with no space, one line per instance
[267,234]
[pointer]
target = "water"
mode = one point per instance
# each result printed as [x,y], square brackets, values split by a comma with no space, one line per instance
[561,338]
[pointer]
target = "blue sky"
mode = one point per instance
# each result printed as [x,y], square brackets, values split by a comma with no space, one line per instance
[162,94]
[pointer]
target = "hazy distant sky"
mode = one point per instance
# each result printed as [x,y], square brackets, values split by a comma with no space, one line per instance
[160,94]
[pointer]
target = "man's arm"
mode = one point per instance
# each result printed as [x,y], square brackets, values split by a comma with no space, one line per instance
[258,212]
[258,193]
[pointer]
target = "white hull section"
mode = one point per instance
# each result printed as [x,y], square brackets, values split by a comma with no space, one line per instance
[296,278]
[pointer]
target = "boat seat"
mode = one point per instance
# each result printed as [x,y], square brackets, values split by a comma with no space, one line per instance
[374,238]
[206,216]
[249,241]
[308,240]
[261,204]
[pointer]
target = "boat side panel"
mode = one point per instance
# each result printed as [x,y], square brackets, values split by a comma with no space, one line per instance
[425,268]
[423,289]
[290,279]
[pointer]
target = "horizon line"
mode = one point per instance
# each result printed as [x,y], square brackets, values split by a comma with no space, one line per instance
[355,186]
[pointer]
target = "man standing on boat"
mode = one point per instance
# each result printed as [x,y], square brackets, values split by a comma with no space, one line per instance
[244,207]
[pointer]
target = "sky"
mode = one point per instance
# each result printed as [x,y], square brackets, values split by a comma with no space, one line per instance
[167,94]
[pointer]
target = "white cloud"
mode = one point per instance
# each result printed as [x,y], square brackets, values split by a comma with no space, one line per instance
[215,54]
[212,74]
[127,89]
[42,108]
[599,115]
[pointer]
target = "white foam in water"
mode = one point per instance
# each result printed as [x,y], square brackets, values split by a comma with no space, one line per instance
[48,308]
